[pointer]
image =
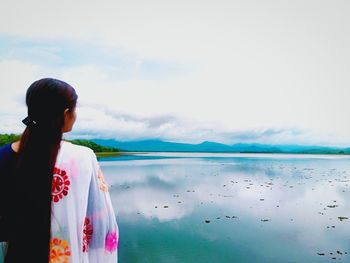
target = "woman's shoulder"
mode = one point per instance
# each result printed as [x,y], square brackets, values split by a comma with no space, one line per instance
[6,154]
[6,150]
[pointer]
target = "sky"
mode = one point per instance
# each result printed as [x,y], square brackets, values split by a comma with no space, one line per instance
[274,72]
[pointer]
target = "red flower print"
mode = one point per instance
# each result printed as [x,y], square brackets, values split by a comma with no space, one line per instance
[60,184]
[87,234]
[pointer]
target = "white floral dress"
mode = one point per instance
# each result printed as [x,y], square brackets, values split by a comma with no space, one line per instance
[83,222]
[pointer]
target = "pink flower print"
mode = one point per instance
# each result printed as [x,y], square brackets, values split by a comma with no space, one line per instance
[102,183]
[111,242]
[74,169]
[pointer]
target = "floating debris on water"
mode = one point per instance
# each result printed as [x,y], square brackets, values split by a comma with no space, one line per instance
[332,206]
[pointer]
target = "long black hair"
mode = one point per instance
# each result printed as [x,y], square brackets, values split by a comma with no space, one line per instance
[30,201]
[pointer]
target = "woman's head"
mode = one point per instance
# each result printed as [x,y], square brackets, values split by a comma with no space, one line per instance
[52,104]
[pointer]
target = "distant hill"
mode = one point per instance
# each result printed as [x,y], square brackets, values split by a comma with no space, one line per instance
[154,145]
[10,138]
[207,146]
[94,146]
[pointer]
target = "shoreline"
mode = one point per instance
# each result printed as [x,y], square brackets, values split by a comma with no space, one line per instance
[106,154]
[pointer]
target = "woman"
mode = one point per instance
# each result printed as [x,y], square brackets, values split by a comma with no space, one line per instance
[55,205]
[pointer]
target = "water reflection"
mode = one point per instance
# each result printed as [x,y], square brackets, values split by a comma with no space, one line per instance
[255,208]
[175,207]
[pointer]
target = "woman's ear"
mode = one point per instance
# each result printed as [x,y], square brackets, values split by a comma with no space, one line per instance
[65,119]
[65,113]
[69,119]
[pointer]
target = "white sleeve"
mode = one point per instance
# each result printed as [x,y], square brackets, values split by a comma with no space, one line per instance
[101,232]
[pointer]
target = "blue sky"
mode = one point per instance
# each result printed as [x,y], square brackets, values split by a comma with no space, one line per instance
[59,54]
[186,71]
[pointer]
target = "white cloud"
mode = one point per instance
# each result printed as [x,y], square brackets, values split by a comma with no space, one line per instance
[232,65]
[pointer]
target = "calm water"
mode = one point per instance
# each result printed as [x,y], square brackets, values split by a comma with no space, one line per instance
[184,208]
[259,208]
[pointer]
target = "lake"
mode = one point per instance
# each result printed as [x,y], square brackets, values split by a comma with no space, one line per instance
[225,208]
[197,207]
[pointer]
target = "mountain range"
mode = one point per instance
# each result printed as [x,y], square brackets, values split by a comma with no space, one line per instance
[155,145]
